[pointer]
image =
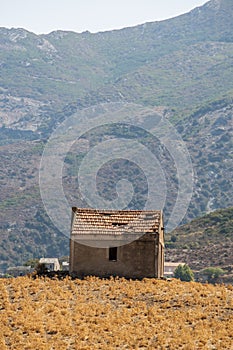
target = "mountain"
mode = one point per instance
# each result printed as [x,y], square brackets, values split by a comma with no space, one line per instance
[182,67]
[177,63]
[204,242]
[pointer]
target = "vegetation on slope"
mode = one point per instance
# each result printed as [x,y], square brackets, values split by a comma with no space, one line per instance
[176,62]
[204,242]
[183,64]
[218,224]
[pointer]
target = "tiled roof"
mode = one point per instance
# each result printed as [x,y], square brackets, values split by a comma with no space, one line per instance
[115,222]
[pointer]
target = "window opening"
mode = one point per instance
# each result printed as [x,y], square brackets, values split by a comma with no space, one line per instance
[113,254]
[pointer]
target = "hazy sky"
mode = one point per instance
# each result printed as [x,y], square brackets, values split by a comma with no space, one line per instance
[44,16]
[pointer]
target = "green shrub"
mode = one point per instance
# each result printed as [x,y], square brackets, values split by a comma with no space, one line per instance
[184,273]
[212,273]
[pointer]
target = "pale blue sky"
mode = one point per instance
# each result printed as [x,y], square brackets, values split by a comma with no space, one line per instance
[44,16]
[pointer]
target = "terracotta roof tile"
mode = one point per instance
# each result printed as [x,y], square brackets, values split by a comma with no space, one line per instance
[115,222]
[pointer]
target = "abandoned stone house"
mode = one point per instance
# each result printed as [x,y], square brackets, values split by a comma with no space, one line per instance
[124,243]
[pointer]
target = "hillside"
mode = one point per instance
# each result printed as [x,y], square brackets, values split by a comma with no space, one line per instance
[154,63]
[114,314]
[181,67]
[204,242]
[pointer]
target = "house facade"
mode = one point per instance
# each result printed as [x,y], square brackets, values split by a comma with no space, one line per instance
[51,264]
[170,267]
[65,266]
[124,243]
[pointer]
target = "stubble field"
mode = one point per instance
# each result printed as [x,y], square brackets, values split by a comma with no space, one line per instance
[50,314]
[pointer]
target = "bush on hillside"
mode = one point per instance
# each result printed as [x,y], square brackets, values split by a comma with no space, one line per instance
[184,273]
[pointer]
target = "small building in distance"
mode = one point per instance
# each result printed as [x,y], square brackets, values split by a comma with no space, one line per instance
[65,266]
[124,243]
[50,264]
[16,271]
[169,268]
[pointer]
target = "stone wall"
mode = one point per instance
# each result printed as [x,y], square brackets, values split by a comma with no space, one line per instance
[137,259]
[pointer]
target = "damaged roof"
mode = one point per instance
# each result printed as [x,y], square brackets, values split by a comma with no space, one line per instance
[88,221]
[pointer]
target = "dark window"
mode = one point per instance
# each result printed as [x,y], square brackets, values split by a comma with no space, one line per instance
[118,224]
[113,254]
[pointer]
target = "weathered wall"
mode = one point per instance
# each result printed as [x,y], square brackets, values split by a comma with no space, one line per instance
[137,259]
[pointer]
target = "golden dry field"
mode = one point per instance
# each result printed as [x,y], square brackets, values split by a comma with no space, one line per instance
[49,314]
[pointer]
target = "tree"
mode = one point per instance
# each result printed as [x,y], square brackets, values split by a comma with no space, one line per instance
[41,269]
[184,273]
[212,273]
[32,262]
[173,238]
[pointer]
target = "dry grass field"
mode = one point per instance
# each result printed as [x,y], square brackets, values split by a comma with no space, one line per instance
[49,314]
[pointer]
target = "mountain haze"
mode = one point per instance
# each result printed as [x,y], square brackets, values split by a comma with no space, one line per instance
[147,62]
